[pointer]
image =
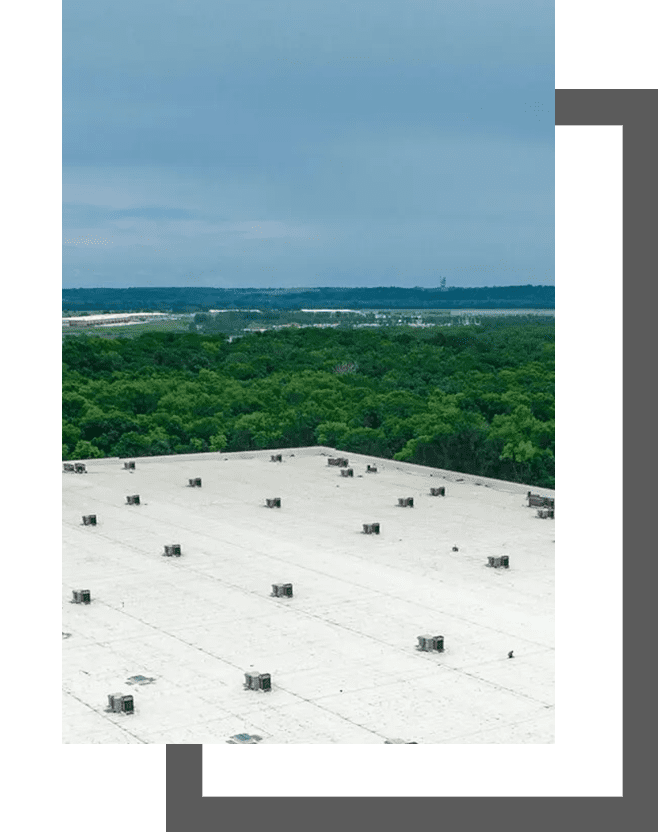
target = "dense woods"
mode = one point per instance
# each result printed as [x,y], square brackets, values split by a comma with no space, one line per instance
[198,298]
[478,400]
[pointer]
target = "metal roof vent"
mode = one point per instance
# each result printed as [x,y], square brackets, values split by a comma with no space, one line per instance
[399,742]
[282,590]
[497,562]
[257,681]
[119,703]
[430,643]
[540,502]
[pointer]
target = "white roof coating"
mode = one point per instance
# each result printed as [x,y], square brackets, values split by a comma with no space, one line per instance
[342,651]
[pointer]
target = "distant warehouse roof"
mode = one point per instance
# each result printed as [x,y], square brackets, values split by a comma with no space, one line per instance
[118,317]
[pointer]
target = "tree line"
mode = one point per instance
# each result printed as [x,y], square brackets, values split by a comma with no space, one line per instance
[199,298]
[479,400]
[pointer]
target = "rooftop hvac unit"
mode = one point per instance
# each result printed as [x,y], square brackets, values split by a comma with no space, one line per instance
[81,596]
[119,703]
[497,562]
[406,501]
[173,550]
[273,502]
[80,468]
[545,513]
[430,643]
[88,519]
[438,492]
[371,469]
[195,483]
[69,466]
[282,590]
[343,462]
[276,458]
[371,528]
[257,681]
[347,472]
[129,466]
[133,500]
[541,502]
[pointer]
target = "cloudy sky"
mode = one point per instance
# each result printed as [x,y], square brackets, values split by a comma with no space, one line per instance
[308,142]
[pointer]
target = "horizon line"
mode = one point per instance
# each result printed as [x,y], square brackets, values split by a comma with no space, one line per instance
[317,288]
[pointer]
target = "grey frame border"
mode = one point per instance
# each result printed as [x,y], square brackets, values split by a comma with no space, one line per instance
[188,811]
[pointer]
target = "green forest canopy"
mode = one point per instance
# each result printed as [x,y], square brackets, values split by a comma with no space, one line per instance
[478,400]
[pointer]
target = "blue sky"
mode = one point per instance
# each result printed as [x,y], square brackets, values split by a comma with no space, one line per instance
[305,143]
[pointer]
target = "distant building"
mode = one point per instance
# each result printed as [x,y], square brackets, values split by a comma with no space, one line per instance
[113,318]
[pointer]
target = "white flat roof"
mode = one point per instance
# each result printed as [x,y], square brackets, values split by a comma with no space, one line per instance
[341,652]
[115,315]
